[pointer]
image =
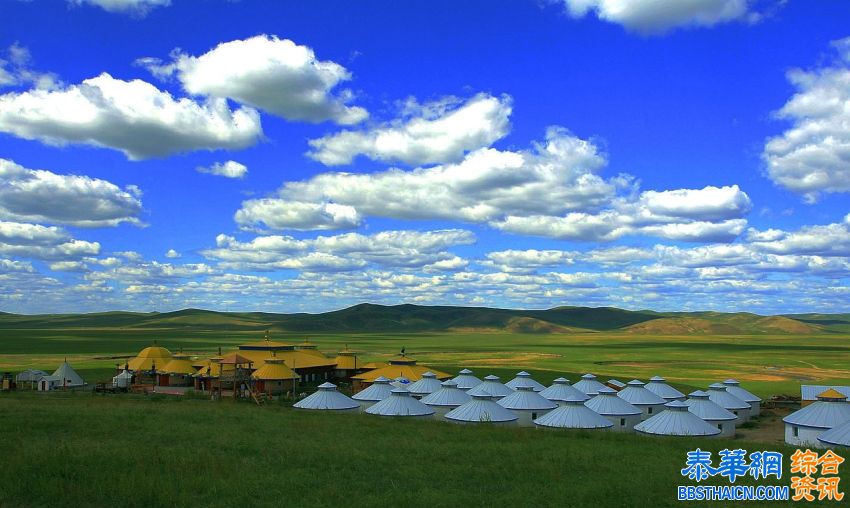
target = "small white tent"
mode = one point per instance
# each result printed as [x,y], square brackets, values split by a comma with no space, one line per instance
[448,397]
[327,398]
[68,377]
[491,387]
[623,415]
[379,390]
[527,404]
[718,394]
[733,386]
[637,395]
[465,380]
[573,414]
[561,391]
[427,384]
[482,409]
[400,404]
[589,385]
[122,380]
[523,378]
[700,405]
[676,420]
[658,385]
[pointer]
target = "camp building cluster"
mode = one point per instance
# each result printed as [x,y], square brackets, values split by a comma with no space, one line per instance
[400,388]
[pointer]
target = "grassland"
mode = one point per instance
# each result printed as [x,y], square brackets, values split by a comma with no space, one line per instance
[83,449]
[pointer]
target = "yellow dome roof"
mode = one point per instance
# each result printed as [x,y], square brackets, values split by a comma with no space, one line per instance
[180,364]
[154,352]
[149,357]
[274,369]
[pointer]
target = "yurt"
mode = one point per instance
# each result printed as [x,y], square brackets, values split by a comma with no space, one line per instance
[274,377]
[717,393]
[733,386]
[425,386]
[837,436]
[562,391]
[448,397]
[676,420]
[176,372]
[491,387]
[573,414]
[68,377]
[523,378]
[803,427]
[327,398]
[589,385]
[658,385]
[527,404]
[123,380]
[31,376]
[710,412]
[482,409]
[400,404]
[623,415]
[400,366]
[637,395]
[346,364]
[149,357]
[379,390]
[465,380]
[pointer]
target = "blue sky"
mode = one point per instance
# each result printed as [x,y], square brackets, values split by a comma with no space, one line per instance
[306,156]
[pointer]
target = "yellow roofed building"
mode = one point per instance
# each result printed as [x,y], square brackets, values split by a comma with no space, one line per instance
[176,372]
[399,366]
[149,358]
[310,364]
[274,377]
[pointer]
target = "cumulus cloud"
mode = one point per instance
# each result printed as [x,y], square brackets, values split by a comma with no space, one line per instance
[275,75]
[37,195]
[15,70]
[529,260]
[227,169]
[822,240]
[297,215]
[134,7]
[172,254]
[436,132]
[35,241]
[131,116]
[656,16]
[813,156]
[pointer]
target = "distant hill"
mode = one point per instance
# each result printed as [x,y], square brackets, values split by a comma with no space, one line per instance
[371,318]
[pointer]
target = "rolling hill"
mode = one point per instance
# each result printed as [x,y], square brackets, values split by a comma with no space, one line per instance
[371,318]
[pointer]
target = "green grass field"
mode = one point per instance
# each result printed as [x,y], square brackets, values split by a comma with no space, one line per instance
[87,449]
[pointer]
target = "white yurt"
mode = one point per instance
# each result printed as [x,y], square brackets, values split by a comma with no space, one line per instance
[562,391]
[733,386]
[68,377]
[623,415]
[400,404]
[482,409]
[527,404]
[327,398]
[837,436]
[523,378]
[658,385]
[465,380]
[379,390]
[47,383]
[803,427]
[427,384]
[712,413]
[400,382]
[589,385]
[491,387]
[122,380]
[31,376]
[636,394]
[676,420]
[573,414]
[448,397]
[717,393]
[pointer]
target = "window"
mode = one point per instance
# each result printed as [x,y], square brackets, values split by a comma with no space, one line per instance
[622,422]
[533,416]
[796,431]
[720,427]
[649,410]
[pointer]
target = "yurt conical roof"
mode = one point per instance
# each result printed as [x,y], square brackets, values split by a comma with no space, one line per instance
[717,393]
[481,409]
[274,369]
[636,394]
[380,389]
[327,398]
[733,386]
[400,403]
[589,385]
[658,385]
[465,380]
[149,356]
[574,415]
[562,390]
[428,384]
[68,376]
[700,405]
[523,378]
[179,364]
[525,398]
[676,420]
[607,403]
[491,387]
[448,395]
[837,436]
[829,411]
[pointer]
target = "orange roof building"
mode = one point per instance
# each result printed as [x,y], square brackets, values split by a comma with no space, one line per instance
[399,366]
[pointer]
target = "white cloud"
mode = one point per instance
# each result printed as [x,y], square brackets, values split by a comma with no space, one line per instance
[68,266]
[529,260]
[135,7]
[655,16]
[131,116]
[227,169]
[437,132]
[275,75]
[283,214]
[813,156]
[822,240]
[172,254]
[38,195]
[16,70]
[8,265]
[42,242]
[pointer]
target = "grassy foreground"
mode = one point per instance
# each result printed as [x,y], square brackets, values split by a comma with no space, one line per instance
[94,450]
